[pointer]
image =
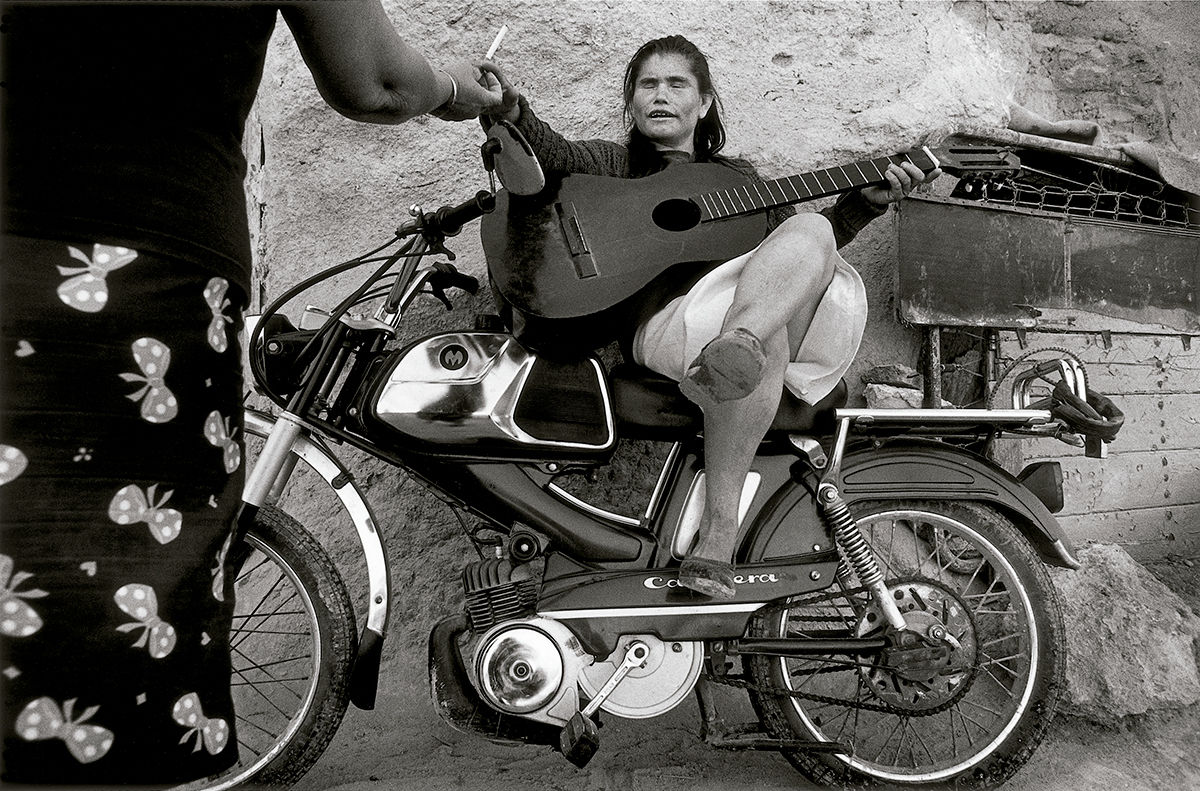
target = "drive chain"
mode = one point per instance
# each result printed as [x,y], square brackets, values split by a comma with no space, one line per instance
[783,606]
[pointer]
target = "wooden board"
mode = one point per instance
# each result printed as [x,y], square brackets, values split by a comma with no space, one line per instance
[1146,494]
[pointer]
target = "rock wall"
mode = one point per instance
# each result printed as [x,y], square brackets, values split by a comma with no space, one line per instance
[804,85]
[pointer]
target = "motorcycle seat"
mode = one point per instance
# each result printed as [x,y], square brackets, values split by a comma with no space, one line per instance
[650,406]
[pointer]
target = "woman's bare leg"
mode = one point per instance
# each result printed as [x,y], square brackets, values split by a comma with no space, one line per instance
[783,282]
[776,298]
[732,430]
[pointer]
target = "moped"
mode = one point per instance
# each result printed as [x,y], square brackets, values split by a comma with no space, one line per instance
[894,621]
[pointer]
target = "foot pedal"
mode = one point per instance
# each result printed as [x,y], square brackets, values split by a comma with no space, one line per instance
[579,740]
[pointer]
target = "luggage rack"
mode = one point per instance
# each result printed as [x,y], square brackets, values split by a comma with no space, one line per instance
[951,422]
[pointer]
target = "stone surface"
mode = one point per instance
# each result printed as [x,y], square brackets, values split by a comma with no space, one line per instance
[890,397]
[1130,639]
[896,375]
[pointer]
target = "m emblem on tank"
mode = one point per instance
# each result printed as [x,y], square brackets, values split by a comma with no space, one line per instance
[452,357]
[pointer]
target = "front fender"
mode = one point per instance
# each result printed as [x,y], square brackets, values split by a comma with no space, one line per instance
[314,453]
[929,470]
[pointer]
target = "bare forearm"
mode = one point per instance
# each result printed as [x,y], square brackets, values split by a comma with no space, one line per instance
[361,67]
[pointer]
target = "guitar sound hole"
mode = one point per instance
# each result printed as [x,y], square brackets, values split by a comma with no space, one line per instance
[676,214]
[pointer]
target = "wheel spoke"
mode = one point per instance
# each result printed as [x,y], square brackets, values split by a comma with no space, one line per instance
[902,712]
[264,665]
[245,573]
[851,711]
[264,616]
[965,719]
[969,702]
[883,747]
[287,612]
[999,684]
[966,726]
[1001,639]
[255,725]
[1000,661]
[286,633]
[266,698]
[925,746]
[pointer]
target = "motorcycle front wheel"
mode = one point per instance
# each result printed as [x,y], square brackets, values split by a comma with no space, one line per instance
[964,697]
[293,643]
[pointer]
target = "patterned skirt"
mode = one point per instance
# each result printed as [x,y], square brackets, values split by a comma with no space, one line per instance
[120,479]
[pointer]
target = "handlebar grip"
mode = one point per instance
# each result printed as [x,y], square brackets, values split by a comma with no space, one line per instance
[449,277]
[450,219]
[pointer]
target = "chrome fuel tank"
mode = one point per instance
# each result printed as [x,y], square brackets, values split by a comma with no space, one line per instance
[483,394]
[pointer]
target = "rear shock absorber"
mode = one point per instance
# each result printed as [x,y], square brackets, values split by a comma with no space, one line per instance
[856,553]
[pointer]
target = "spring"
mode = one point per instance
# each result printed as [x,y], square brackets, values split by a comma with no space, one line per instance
[850,539]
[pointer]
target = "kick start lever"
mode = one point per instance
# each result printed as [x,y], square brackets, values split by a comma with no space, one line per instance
[635,656]
[579,739]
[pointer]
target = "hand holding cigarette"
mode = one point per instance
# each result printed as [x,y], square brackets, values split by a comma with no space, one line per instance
[496,80]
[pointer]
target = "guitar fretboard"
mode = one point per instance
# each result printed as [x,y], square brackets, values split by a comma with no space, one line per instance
[749,198]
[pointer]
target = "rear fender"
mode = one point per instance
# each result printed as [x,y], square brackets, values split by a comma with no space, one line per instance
[929,470]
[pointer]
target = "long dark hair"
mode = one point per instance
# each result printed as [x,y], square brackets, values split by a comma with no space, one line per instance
[710,132]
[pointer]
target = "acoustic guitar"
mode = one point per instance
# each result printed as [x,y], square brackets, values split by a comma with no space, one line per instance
[588,243]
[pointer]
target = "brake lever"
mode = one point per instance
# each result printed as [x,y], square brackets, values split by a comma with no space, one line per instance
[440,293]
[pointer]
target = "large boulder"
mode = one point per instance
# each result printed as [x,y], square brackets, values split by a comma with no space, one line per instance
[1130,639]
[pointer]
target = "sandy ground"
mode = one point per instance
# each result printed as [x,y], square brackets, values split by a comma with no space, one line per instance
[407,748]
[403,745]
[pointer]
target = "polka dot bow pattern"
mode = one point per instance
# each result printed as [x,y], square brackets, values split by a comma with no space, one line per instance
[139,601]
[218,433]
[214,734]
[17,618]
[12,463]
[214,295]
[218,571]
[43,719]
[131,505]
[86,288]
[158,402]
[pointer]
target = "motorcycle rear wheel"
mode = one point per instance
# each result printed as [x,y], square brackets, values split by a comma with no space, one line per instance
[971,720]
[293,645]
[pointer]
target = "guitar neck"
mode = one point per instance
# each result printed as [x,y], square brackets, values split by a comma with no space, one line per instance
[761,196]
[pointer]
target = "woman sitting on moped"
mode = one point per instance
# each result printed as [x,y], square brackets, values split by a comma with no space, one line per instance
[789,313]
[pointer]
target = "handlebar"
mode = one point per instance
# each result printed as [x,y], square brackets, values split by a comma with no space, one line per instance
[449,220]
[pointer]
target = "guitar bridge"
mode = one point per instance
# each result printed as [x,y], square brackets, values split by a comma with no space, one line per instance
[581,255]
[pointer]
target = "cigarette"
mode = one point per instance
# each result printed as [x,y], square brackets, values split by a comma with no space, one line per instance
[496,44]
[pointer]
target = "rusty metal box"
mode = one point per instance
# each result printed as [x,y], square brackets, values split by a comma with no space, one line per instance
[961,263]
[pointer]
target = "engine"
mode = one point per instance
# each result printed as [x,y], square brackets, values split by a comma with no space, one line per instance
[535,668]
